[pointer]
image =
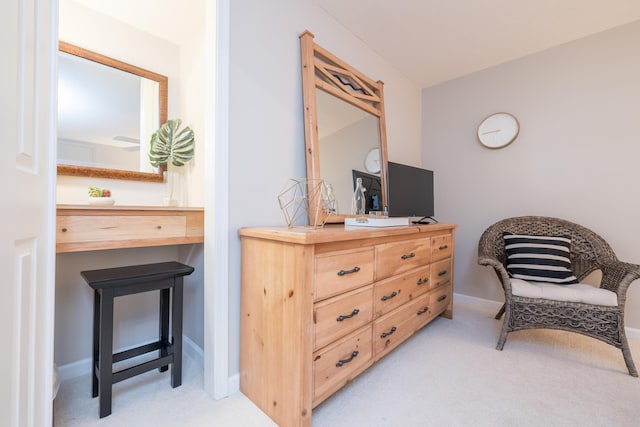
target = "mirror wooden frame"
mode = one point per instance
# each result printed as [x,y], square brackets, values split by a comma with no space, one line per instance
[323,70]
[163,81]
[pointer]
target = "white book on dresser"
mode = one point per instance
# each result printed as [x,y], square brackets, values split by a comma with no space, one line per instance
[370,221]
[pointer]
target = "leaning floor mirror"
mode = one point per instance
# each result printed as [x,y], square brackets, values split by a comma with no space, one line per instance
[345,131]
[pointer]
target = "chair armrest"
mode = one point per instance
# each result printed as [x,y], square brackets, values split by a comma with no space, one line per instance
[498,267]
[618,275]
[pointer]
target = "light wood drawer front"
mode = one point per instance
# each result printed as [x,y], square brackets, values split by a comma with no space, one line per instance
[101,228]
[440,273]
[398,257]
[340,315]
[392,293]
[441,247]
[394,328]
[343,271]
[336,365]
[440,299]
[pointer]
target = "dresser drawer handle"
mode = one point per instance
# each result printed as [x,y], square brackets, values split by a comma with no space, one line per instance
[64,230]
[343,361]
[348,316]
[423,311]
[386,334]
[442,298]
[411,255]
[443,247]
[353,270]
[442,273]
[388,297]
[422,281]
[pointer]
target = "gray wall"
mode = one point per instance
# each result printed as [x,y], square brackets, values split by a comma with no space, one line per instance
[266,125]
[576,157]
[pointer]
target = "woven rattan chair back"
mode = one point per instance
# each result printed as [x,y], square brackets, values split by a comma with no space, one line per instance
[589,251]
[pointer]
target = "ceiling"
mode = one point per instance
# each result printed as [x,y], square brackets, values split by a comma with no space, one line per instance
[432,41]
[429,41]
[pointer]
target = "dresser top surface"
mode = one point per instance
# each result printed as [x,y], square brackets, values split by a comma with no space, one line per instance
[338,232]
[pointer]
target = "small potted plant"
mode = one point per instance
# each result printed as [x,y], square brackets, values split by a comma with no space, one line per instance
[172,146]
[100,196]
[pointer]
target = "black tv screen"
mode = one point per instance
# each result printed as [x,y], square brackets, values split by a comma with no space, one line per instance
[373,185]
[410,191]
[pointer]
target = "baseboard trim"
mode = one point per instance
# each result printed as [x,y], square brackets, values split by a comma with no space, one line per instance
[234,384]
[83,366]
[632,333]
[193,350]
[74,370]
[476,301]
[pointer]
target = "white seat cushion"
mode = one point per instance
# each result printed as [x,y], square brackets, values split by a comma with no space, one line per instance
[578,292]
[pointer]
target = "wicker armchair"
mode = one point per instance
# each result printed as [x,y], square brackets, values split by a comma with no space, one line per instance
[589,252]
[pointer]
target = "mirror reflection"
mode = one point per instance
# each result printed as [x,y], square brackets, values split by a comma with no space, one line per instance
[349,140]
[107,112]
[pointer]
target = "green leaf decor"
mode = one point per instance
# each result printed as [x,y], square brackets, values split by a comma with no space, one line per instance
[171,144]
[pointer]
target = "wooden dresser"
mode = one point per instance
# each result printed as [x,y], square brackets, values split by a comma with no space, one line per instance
[318,307]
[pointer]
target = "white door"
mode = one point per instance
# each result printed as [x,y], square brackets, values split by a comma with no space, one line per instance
[28,38]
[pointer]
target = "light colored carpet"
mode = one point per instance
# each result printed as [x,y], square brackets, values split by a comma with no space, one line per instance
[448,374]
[148,400]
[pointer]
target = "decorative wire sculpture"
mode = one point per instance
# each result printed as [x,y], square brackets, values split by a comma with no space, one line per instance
[305,203]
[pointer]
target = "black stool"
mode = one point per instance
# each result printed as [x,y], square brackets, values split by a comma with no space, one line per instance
[115,282]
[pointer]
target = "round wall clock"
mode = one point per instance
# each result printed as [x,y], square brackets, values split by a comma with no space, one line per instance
[498,130]
[372,160]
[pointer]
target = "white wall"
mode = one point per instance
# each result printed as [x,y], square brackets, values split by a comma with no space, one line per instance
[339,155]
[575,158]
[91,30]
[136,316]
[266,123]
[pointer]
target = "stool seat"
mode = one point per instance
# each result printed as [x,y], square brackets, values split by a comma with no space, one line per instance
[109,283]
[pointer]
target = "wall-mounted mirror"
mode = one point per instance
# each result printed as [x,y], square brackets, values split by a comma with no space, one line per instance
[345,132]
[107,112]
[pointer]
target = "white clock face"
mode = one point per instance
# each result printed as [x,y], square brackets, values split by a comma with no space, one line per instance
[498,130]
[372,161]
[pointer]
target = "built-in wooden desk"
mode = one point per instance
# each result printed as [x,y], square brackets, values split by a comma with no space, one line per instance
[88,227]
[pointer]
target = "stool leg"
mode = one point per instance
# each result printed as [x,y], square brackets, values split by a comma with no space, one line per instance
[164,324]
[96,344]
[176,333]
[105,364]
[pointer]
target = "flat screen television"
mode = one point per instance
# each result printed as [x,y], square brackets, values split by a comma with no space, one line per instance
[373,185]
[410,191]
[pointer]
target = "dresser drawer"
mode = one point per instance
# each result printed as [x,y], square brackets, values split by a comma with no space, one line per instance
[395,291]
[441,247]
[395,327]
[338,364]
[398,257]
[336,317]
[440,300]
[342,271]
[98,228]
[440,273]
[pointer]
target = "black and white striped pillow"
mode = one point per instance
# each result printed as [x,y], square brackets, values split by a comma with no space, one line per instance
[539,258]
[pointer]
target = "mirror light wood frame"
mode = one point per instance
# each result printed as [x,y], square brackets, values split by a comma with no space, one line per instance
[323,70]
[163,82]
